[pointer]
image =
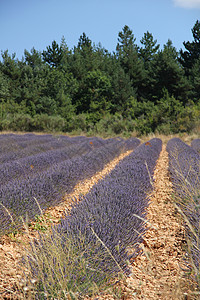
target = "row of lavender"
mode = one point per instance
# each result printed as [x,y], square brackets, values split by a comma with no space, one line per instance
[48,175]
[18,145]
[107,225]
[27,155]
[13,147]
[195,144]
[30,165]
[184,167]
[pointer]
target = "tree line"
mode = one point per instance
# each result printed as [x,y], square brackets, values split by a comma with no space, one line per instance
[139,89]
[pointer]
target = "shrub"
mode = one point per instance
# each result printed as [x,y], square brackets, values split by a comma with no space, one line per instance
[17,122]
[78,122]
[44,122]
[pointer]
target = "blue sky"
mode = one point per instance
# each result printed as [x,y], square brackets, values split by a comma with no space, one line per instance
[36,23]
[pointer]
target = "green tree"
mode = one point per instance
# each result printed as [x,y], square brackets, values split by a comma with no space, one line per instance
[188,58]
[10,67]
[168,75]
[147,54]
[82,60]
[66,53]
[84,43]
[59,85]
[126,44]
[65,109]
[122,90]
[172,116]
[149,48]
[46,105]
[195,81]
[33,79]
[53,55]
[127,53]
[94,94]
[33,59]
[4,87]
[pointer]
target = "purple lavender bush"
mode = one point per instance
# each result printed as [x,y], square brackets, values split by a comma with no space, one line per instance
[21,146]
[195,144]
[184,167]
[103,226]
[19,142]
[111,207]
[48,186]
[34,164]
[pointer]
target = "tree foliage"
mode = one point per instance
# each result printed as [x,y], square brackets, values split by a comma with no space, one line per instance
[192,52]
[136,88]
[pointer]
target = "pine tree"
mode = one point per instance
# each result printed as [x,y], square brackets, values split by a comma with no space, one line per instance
[195,81]
[53,55]
[147,54]
[149,48]
[192,53]
[169,75]
[33,58]
[127,54]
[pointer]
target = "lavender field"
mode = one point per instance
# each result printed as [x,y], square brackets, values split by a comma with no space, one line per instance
[111,216]
[46,168]
[103,233]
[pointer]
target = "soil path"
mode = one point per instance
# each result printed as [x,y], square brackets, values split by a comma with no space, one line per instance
[12,247]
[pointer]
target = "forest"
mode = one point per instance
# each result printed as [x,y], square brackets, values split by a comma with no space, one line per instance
[133,90]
